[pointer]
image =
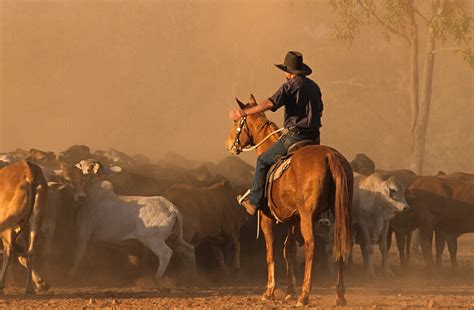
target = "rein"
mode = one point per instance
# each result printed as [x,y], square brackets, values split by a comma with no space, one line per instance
[243,125]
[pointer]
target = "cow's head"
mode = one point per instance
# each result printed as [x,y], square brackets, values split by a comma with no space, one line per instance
[71,177]
[394,193]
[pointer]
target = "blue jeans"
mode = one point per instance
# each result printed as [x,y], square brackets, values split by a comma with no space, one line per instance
[266,160]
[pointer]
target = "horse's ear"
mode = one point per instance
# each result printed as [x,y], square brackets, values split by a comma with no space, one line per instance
[240,103]
[252,99]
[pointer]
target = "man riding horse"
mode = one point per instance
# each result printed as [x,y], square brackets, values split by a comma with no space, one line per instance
[301,98]
[310,181]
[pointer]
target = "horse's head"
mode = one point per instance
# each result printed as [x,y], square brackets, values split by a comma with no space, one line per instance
[240,135]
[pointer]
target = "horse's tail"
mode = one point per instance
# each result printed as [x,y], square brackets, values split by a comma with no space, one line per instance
[344,181]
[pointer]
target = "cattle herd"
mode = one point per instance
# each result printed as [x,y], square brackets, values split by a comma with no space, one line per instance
[55,208]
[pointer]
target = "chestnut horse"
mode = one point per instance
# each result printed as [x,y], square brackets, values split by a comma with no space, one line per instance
[319,178]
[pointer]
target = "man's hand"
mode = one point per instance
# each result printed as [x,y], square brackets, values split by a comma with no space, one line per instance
[236,114]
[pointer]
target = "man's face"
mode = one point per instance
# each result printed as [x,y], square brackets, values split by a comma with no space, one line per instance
[287,76]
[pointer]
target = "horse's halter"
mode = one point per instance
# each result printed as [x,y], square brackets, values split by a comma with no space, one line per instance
[236,147]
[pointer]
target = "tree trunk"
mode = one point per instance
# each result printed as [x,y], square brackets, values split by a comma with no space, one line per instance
[414,78]
[421,126]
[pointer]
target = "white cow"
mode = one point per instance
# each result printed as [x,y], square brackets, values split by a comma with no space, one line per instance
[375,203]
[109,218]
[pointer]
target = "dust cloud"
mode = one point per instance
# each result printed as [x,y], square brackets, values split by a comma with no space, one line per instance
[158,76]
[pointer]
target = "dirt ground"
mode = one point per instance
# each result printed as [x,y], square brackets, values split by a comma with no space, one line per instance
[411,289]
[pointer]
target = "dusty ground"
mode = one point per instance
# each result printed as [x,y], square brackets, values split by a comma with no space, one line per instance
[406,290]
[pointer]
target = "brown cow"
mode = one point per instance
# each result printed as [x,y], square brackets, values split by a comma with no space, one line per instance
[210,214]
[403,223]
[443,238]
[460,176]
[444,205]
[23,192]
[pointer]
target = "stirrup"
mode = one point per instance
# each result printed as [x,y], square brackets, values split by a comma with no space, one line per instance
[242,198]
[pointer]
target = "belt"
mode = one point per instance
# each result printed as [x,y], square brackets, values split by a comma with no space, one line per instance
[299,130]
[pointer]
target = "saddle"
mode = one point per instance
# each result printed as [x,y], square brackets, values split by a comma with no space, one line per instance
[278,169]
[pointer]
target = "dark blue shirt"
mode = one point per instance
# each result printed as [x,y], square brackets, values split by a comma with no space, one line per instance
[302,100]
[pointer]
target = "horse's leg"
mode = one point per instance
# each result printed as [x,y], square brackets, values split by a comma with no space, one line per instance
[307,232]
[267,227]
[289,252]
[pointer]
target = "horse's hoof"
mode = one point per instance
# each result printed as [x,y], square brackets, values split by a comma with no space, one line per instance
[290,297]
[341,302]
[302,302]
[43,287]
[265,297]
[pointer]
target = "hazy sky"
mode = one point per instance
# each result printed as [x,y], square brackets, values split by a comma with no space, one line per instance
[157,76]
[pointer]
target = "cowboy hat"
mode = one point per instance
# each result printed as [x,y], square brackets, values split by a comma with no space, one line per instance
[294,64]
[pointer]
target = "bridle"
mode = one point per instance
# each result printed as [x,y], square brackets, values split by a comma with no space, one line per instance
[237,148]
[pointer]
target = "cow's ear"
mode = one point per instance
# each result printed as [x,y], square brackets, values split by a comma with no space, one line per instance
[96,168]
[240,103]
[409,194]
[115,169]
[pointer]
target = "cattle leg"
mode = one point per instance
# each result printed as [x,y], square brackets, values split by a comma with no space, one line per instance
[163,252]
[400,238]
[7,251]
[236,246]
[408,246]
[308,235]
[30,261]
[220,258]
[426,241]
[187,252]
[440,240]
[452,240]
[289,252]
[267,228]
[81,248]
[384,251]
[415,245]
[40,284]
[367,249]
[389,238]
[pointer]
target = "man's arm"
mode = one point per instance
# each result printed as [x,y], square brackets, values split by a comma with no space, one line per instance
[263,106]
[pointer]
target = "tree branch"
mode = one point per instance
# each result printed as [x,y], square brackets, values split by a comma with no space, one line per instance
[427,21]
[381,22]
[447,49]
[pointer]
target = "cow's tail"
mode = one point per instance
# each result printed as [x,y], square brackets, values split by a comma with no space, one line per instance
[31,200]
[343,181]
[180,223]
